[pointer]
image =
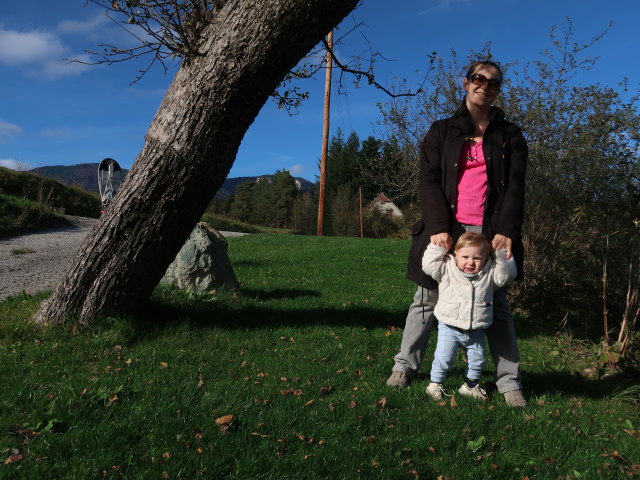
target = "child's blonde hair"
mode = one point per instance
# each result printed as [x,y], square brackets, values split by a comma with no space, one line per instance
[473,239]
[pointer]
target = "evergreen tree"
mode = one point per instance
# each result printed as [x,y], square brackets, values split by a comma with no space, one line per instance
[283,192]
[240,207]
[262,211]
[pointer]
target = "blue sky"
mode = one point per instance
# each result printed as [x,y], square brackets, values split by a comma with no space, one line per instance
[54,113]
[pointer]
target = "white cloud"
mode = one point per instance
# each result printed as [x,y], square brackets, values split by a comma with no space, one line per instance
[62,132]
[8,130]
[65,67]
[14,164]
[28,47]
[82,27]
[40,54]
[443,6]
[296,170]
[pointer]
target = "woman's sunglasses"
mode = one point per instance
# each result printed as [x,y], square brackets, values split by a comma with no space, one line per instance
[479,79]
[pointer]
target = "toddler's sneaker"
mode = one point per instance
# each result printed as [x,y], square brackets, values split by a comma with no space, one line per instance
[435,391]
[475,392]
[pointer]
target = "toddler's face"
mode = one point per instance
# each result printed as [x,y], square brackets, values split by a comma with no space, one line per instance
[470,259]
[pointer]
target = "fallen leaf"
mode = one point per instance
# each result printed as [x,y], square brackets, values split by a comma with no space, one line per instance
[307,440]
[309,403]
[25,432]
[199,450]
[432,450]
[112,399]
[616,456]
[387,333]
[453,401]
[382,402]
[291,391]
[164,364]
[224,420]
[352,404]
[13,458]
[375,464]
[262,435]
[633,433]
[166,455]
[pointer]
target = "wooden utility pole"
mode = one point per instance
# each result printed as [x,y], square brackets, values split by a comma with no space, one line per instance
[325,138]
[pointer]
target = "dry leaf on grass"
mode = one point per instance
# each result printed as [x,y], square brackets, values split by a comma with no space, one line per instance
[292,391]
[224,420]
[14,458]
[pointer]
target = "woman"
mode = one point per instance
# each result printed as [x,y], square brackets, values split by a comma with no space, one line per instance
[472,172]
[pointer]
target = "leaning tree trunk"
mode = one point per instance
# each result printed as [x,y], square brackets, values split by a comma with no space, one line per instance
[189,149]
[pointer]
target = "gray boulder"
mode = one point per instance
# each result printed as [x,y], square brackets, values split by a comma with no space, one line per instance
[202,265]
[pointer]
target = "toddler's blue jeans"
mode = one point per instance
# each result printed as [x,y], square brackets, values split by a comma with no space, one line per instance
[449,340]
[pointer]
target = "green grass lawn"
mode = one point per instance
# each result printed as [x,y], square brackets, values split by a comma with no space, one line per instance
[298,359]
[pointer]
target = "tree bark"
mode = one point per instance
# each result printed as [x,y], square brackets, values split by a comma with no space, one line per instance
[188,152]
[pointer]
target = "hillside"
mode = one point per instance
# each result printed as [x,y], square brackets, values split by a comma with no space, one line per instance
[29,202]
[85,176]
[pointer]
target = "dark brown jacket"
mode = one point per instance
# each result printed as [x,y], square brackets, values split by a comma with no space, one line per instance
[505,151]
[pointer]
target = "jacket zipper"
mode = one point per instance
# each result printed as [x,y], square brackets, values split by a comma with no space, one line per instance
[473,302]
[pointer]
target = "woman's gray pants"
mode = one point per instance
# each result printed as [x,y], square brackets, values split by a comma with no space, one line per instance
[501,336]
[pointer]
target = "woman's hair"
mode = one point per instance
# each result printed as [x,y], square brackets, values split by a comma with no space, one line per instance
[487,63]
[472,239]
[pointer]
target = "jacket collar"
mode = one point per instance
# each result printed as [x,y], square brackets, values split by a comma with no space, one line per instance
[461,120]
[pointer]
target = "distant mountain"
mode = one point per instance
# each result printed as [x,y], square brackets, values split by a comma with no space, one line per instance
[85,176]
[229,186]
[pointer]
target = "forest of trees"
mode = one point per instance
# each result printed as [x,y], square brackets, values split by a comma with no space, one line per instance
[274,201]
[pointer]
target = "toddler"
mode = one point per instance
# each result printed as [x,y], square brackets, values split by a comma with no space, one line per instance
[466,283]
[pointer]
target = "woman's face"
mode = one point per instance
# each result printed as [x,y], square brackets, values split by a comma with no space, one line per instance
[482,96]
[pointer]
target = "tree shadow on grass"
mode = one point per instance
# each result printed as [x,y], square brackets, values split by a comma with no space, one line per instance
[226,314]
[279,294]
[572,384]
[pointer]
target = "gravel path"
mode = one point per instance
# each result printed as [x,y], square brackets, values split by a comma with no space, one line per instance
[50,254]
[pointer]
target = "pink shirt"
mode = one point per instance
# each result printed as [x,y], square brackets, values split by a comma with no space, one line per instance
[472,184]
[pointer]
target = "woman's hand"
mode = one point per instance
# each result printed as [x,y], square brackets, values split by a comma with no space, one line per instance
[443,240]
[500,242]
